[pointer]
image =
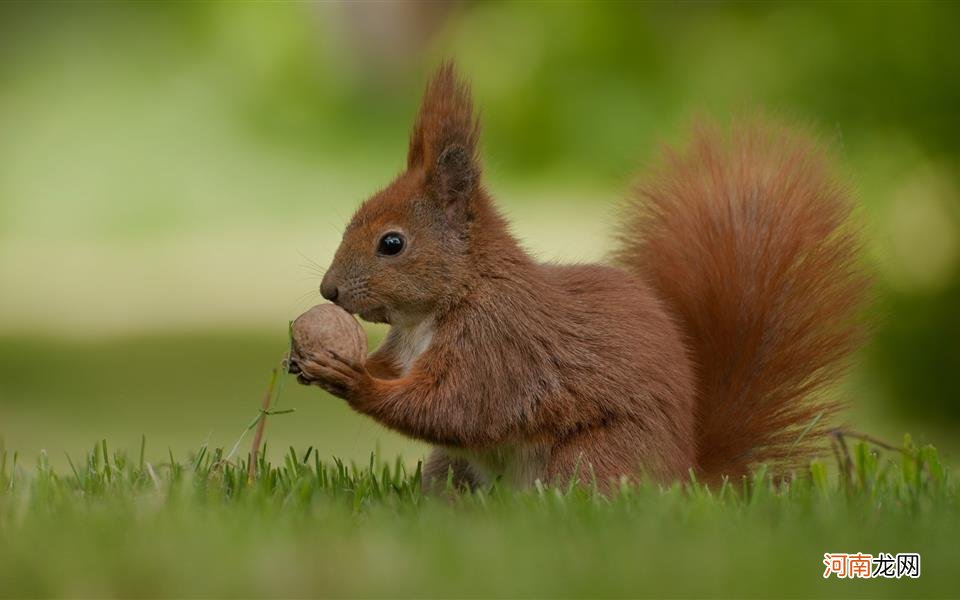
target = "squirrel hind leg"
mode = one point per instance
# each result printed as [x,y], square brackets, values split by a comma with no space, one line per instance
[604,455]
[440,466]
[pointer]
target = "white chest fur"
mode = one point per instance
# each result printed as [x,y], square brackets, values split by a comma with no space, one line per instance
[410,342]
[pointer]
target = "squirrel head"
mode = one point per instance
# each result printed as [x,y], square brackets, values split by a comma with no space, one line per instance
[406,250]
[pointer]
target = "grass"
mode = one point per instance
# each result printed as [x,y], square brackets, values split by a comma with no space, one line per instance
[117,524]
[162,520]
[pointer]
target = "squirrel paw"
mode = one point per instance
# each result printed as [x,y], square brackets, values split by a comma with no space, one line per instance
[329,371]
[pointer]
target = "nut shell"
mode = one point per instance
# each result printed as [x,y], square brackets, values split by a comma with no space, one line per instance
[327,327]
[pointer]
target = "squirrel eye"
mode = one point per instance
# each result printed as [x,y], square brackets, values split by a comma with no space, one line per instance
[390,244]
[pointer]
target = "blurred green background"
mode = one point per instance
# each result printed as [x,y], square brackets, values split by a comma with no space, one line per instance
[168,172]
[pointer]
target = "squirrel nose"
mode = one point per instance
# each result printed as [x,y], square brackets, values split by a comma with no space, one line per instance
[329,291]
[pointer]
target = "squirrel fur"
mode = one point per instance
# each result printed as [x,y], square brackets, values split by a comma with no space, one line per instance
[706,345]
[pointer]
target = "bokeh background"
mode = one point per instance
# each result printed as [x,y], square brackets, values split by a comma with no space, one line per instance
[170,175]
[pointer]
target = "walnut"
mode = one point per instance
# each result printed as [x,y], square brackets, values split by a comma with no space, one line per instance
[327,327]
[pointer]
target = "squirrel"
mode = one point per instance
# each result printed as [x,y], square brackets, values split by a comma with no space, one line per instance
[705,346]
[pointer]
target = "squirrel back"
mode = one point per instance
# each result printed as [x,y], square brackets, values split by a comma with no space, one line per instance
[747,237]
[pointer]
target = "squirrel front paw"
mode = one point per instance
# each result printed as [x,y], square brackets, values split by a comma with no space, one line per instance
[329,371]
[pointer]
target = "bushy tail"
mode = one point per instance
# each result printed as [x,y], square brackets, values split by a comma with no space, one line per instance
[747,237]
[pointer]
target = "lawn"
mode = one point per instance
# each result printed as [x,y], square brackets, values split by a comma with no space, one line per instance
[118,524]
[162,518]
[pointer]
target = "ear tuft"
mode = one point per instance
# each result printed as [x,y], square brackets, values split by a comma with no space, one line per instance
[445,120]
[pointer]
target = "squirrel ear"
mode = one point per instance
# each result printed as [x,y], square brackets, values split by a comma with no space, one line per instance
[445,120]
[454,180]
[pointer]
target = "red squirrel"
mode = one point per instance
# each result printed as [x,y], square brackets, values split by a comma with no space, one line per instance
[705,345]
